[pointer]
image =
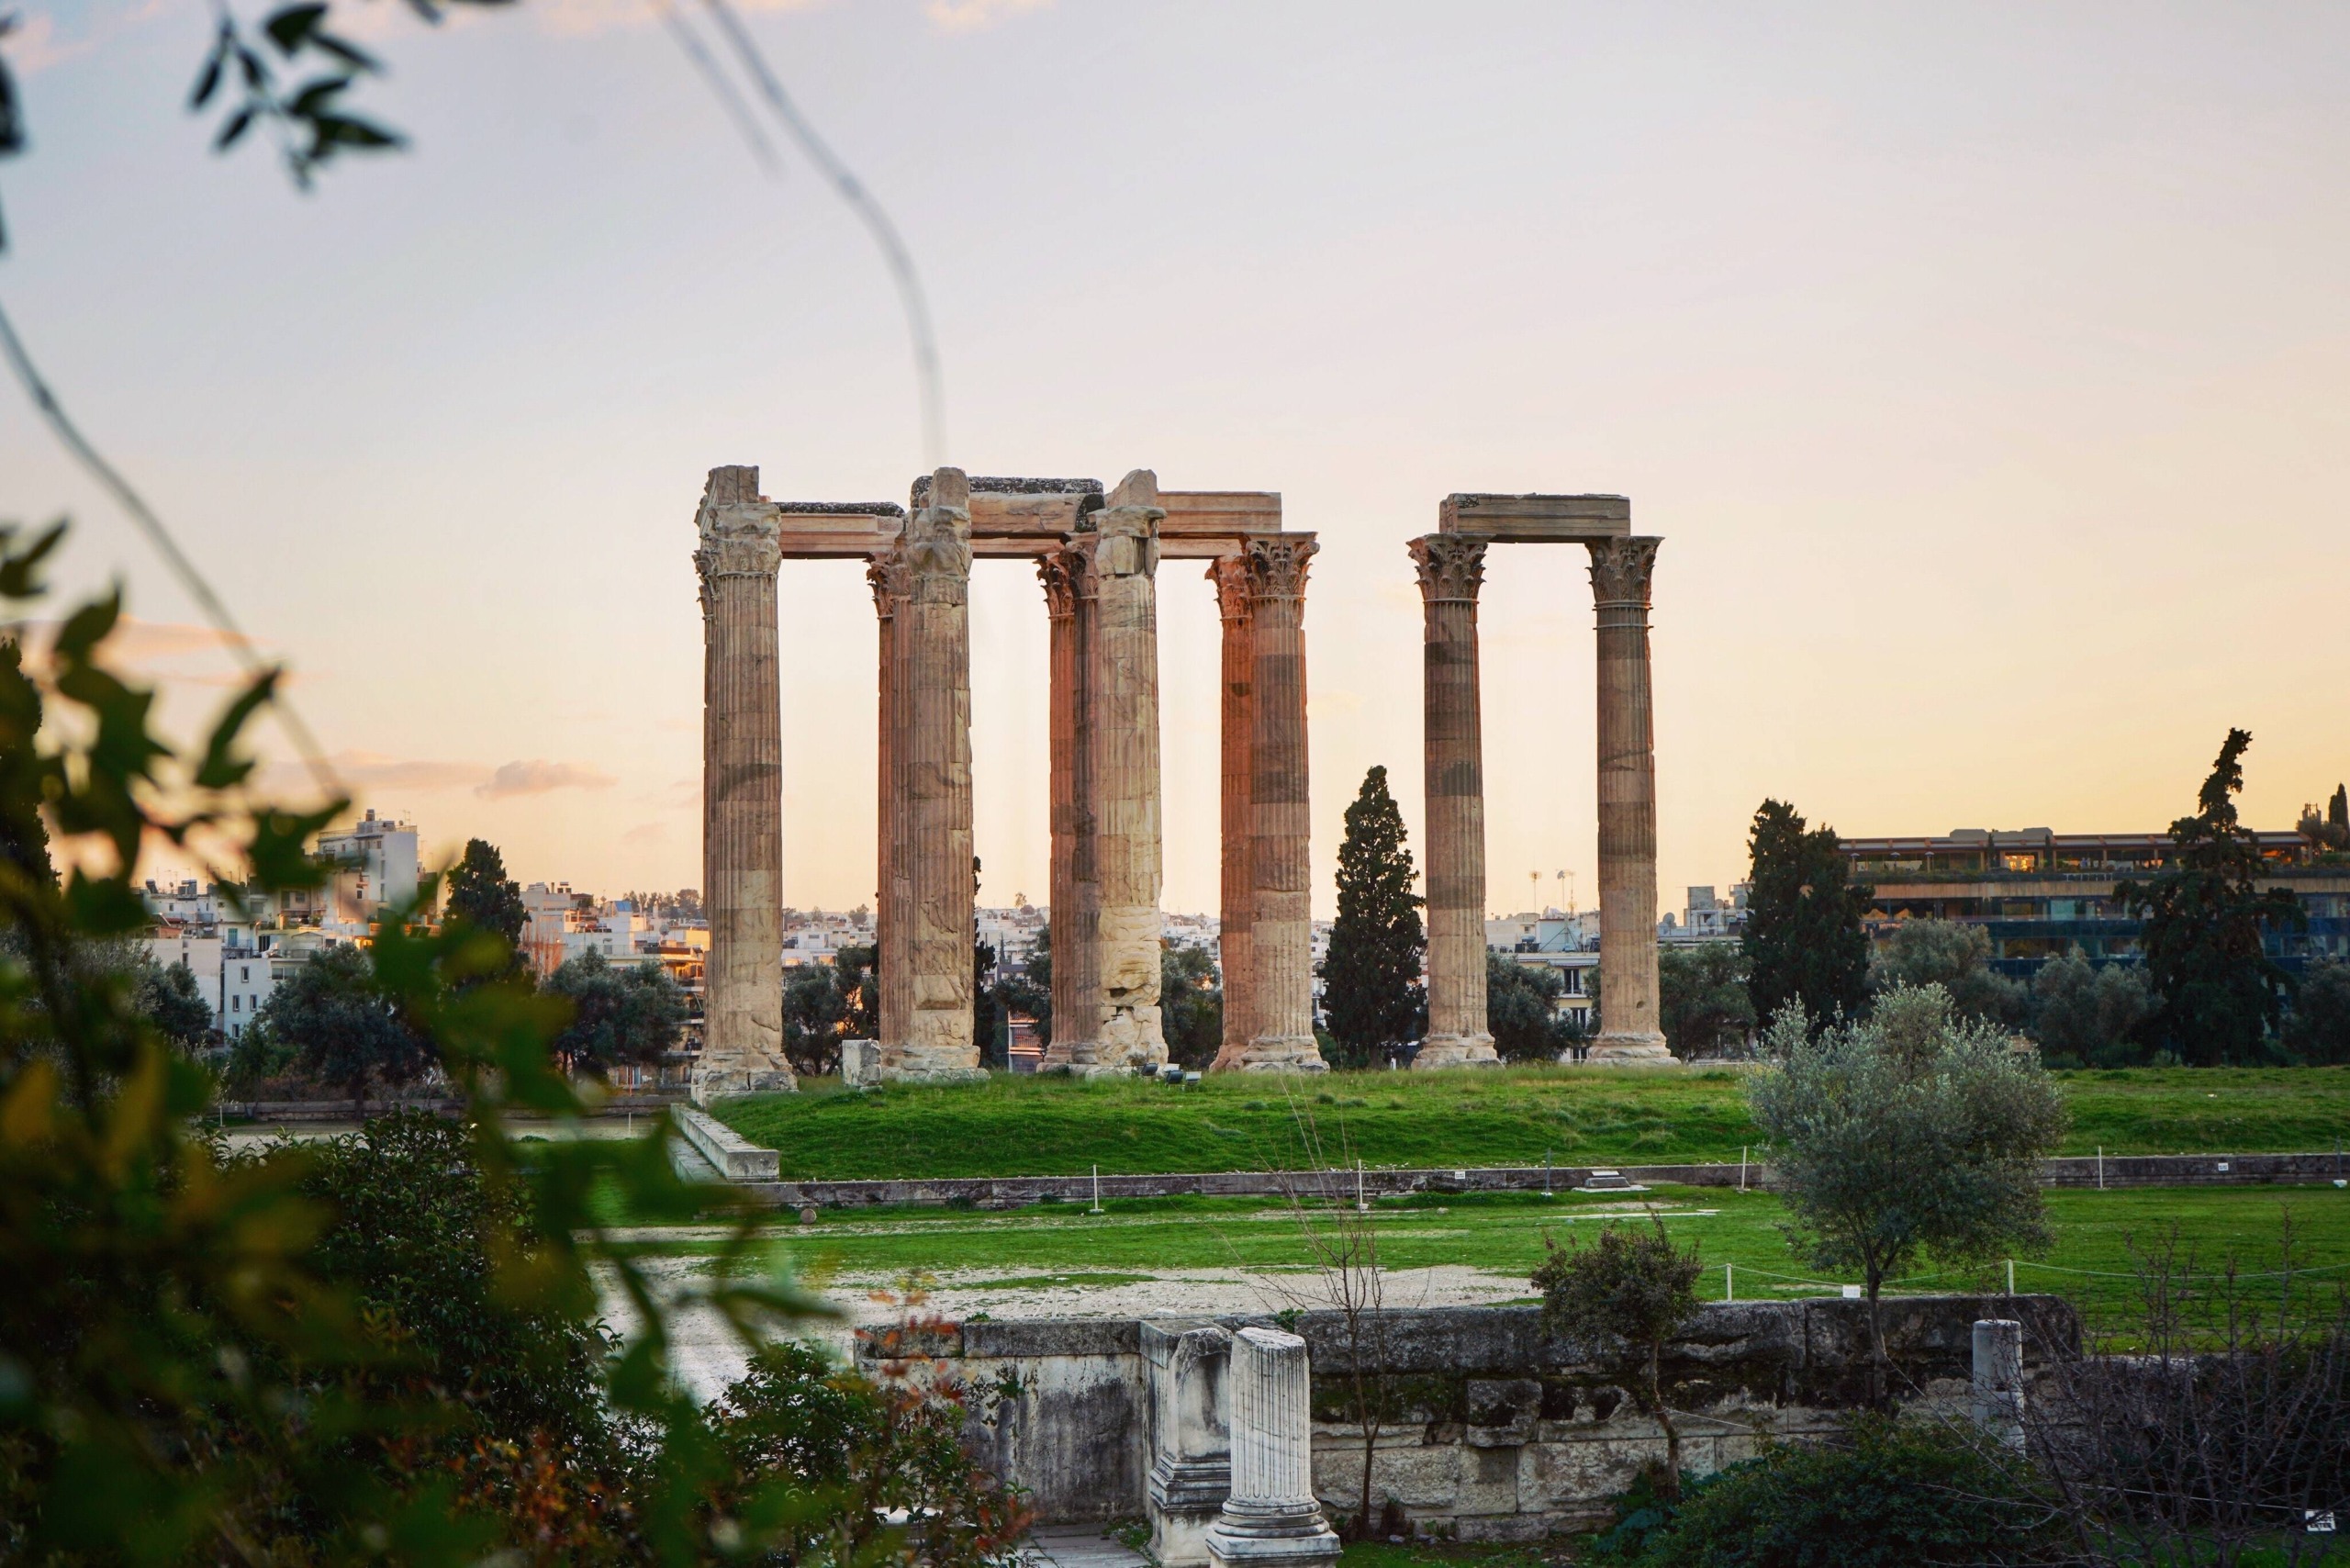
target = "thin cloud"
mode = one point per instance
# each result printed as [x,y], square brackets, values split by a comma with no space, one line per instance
[538,776]
[976,16]
[374,770]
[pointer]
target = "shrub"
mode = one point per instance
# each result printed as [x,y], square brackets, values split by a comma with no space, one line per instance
[1896,1494]
[862,1449]
[1624,1296]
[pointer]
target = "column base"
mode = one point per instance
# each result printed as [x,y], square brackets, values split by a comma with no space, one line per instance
[722,1081]
[1284,1533]
[1455,1050]
[928,1064]
[1631,1050]
[1275,1053]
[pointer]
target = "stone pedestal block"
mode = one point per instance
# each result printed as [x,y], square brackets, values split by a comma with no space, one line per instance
[737,534]
[1191,1442]
[1620,570]
[1271,1515]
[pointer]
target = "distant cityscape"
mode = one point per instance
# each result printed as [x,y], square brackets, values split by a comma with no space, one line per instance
[2036,894]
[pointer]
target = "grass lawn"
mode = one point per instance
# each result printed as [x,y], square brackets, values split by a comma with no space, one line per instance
[1046,1127]
[1062,1244]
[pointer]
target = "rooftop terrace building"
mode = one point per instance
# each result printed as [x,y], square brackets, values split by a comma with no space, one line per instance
[2037,893]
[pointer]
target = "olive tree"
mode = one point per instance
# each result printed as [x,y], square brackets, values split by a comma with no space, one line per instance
[1626,1295]
[1911,1133]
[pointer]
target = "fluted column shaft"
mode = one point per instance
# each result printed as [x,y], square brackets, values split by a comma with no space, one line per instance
[736,557]
[1068,597]
[892,581]
[1272,1514]
[1281,929]
[1451,569]
[937,750]
[1124,692]
[1230,576]
[1620,570]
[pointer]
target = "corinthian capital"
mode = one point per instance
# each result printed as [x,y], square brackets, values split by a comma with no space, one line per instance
[741,533]
[1062,573]
[1277,562]
[892,576]
[1230,575]
[1451,566]
[1620,569]
[938,536]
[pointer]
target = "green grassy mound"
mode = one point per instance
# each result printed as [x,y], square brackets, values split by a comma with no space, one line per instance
[2099,1238]
[1058,1126]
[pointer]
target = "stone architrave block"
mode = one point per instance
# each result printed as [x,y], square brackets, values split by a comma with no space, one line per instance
[1503,1412]
[734,1156]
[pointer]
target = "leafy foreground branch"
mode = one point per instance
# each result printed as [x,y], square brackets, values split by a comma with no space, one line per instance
[386,1349]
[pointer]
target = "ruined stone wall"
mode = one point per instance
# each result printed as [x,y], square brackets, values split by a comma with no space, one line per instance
[1493,1429]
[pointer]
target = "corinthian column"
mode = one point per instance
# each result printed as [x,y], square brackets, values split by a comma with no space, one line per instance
[1628,978]
[1124,689]
[1451,569]
[892,578]
[1272,1514]
[741,790]
[1068,578]
[934,752]
[1230,576]
[1280,925]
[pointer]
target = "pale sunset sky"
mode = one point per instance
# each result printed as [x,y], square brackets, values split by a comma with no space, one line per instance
[1985,369]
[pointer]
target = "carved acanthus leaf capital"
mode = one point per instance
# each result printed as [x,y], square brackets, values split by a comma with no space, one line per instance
[1062,574]
[892,576]
[741,534]
[1451,566]
[1277,565]
[1620,570]
[1230,576]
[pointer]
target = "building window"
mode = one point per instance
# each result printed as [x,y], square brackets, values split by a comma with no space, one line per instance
[233,1003]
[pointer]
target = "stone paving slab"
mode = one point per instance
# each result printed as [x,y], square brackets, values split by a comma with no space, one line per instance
[1079,1546]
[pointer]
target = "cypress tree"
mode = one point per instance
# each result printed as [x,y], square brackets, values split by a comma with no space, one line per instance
[1804,942]
[2222,997]
[482,896]
[1371,991]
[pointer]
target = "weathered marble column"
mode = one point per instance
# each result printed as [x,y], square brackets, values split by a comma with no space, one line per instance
[742,1050]
[1272,1514]
[892,576]
[934,752]
[1124,689]
[1452,742]
[1068,578]
[1185,1373]
[1627,977]
[1230,576]
[1280,925]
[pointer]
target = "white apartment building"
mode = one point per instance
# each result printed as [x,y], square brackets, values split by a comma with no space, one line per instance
[378,866]
[199,950]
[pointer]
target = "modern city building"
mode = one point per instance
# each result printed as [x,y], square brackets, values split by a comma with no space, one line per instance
[2036,894]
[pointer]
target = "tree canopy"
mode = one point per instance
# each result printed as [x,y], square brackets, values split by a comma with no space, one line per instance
[1956,956]
[1910,1131]
[2222,996]
[1625,1296]
[1703,1004]
[1522,1010]
[2089,1015]
[619,1013]
[172,1003]
[343,1028]
[1804,941]
[1373,996]
[479,893]
[1190,1005]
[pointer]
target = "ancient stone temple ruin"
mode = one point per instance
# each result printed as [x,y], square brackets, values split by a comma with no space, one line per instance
[1097,554]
